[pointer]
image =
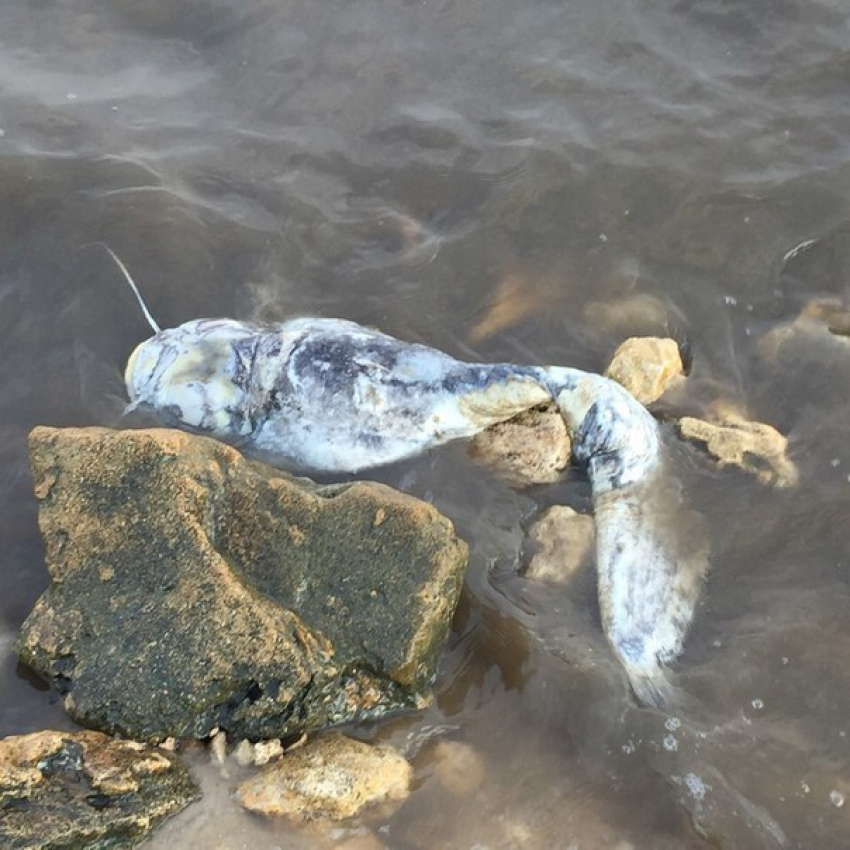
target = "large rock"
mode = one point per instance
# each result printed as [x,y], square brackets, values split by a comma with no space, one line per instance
[84,789]
[192,589]
[332,778]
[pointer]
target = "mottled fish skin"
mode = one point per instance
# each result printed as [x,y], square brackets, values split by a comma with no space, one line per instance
[328,395]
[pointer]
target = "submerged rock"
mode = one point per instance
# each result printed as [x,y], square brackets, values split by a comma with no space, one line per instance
[84,789]
[638,314]
[459,767]
[518,297]
[831,312]
[820,333]
[532,448]
[331,778]
[752,446]
[193,589]
[646,366]
[563,541]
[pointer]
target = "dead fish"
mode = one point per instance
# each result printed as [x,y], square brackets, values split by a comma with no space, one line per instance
[332,396]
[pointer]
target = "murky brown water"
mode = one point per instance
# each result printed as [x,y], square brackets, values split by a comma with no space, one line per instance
[407,165]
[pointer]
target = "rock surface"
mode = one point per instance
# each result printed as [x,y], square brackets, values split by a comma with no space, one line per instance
[259,754]
[532,448]
[331,778]
[646,366]
[84,789]
[193,589]
[563,541]
[752,446]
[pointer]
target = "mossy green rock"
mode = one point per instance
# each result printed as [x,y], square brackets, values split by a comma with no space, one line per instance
[193,588]
[81,790]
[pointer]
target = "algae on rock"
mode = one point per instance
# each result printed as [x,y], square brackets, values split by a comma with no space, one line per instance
[192,588]
[83,789]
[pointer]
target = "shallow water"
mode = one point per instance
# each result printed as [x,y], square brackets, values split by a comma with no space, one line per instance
[528,182]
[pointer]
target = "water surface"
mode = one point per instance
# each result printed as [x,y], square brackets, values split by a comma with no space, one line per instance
[600,169]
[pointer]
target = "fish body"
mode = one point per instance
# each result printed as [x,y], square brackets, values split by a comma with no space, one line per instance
[328,395]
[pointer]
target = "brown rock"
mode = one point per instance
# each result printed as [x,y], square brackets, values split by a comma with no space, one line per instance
[638,314]
[831,312]
[238,597]
[646,366]
[518,297]
[331,778]
[532,448]
[563,540]
[84,789]
[821,331]
[751,446]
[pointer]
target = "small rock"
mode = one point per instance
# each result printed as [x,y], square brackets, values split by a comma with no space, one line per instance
[563,540]
[243,753]
[646,367]
[331,778]
[84,789]
[752,446]
[218,747]
[458,767]
[265,751]
[532,448]
[238,597]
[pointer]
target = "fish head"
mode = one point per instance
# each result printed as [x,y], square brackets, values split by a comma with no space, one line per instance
[196,376]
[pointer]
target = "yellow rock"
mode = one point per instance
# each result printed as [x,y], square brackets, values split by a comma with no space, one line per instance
[331,778]
[265,751]
[752,446]
[646,366]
